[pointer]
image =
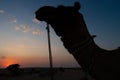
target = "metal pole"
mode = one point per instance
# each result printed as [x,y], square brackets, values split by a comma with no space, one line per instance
[50,52]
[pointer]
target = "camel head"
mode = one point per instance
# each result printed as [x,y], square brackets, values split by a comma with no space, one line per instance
[61,18]
[66,21]
[52,14]
[45,13]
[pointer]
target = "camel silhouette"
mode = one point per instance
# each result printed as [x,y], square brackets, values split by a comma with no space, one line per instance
[70,26]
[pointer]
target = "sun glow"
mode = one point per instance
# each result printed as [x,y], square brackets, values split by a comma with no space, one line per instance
[8,62]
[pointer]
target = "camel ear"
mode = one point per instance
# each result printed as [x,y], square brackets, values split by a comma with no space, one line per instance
[77,5]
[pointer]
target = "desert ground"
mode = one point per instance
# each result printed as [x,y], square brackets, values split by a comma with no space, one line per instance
[44,74]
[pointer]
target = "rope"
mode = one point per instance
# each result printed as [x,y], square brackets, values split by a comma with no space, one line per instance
[50,52]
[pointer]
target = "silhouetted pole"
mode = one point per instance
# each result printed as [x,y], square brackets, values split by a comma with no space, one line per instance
[50,52]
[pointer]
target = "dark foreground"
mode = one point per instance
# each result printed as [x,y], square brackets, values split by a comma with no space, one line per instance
[44,74]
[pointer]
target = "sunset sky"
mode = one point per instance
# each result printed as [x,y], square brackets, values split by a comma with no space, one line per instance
[23,39]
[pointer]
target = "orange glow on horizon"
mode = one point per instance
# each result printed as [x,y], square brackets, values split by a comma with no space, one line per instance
[8,62]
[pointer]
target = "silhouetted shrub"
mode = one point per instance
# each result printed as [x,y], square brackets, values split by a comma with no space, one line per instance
[14,69]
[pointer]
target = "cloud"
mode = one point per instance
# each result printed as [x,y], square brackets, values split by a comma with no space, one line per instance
[15,20]
[36,32]
[2,11]
[2,57]
[36,21]
[25,28]
[17,28]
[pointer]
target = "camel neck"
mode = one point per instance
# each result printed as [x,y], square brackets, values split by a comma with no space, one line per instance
[80,46]
[86,55]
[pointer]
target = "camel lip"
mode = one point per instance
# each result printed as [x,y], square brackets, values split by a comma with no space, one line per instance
[38,18]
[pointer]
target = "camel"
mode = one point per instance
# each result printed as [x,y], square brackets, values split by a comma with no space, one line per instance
[68,23]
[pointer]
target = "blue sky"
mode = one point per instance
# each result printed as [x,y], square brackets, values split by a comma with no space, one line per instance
[23,39]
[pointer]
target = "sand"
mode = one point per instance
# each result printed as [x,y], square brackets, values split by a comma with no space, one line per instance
[44,74]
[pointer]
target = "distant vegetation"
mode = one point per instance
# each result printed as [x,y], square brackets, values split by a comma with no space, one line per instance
[14,69]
